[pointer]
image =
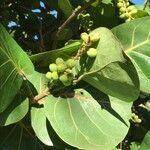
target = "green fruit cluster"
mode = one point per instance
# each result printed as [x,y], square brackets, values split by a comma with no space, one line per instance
[126,11]
[61,70]
[135,118]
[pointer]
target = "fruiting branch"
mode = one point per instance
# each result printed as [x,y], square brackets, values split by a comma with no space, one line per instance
[75,13]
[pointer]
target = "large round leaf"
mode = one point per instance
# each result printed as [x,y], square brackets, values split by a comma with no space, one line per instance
[86,124]
[135,38]
[38,118]
[14,66]
[111,72]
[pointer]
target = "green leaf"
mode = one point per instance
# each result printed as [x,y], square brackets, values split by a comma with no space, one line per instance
[44,59]
[38,118]
[38,121]
[145,145]
[15,111]
[14,66]
[81,122]
[66,7]
[111,72]
[18,137]
[135,38]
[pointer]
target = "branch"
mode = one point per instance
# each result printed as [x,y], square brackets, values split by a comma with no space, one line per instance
[71,17]
[40,96]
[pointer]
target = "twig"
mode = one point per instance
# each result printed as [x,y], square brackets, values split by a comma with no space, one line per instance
[70,18]
[40,96]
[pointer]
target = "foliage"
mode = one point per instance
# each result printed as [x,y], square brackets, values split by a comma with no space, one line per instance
[81,79]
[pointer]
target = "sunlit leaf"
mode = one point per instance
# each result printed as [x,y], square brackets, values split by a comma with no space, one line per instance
[14,66]
[86,124]
[135,38]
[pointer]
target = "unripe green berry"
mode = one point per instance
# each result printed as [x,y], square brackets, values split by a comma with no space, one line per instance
[59,61]
[122,9]
[67,83]
[68,71]
[53,67]
[133,114]
[130,8]
[138,121]
[127,3]
[134,11]
[54,75]
[61,67]
[122,16]
[49,75]
[85,37]
[71,63]
[63,78]
[94,37]
[92,52]
[120,4]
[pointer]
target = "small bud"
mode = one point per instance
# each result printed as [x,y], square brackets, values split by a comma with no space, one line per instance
[53,67]
[92,52]
[49,75]
[54,75]
[85,37]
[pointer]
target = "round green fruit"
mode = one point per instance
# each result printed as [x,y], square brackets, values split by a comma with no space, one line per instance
[85,37]
[63,78]
[61,67]
[49,75]
[130,8]
[134,11]
[54,75]
[59,61]
[120,4]
[92,52]
[122,16]
[53,67]
[122,9]
[94,37]
[70,63]
[67,83]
